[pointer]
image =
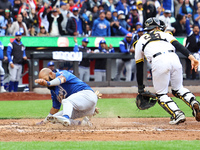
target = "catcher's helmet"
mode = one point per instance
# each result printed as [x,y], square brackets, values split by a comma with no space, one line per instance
[162,26]
[151,23]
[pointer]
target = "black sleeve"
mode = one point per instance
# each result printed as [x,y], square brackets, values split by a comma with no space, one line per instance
[44,12]
[139,73]
[179,47]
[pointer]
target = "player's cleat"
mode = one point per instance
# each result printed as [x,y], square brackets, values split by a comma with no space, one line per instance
[180,118]
[86,122]
[196,111]
[59,119]
[2,90]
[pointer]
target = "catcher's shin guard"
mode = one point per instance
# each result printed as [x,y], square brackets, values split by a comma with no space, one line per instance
[185,95]
[168,105]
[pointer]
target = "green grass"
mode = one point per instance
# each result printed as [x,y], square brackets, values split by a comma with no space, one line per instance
[100,145]
[108,108]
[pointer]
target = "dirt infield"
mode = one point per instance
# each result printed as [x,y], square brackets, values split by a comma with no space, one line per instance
[103,129]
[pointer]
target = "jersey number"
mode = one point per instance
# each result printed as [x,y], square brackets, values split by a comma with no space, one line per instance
[153,36]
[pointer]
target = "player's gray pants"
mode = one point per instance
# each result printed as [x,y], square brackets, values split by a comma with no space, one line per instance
[2,72]
[15,73]
[84,73]
[99,75]
[80,104]
[120,65]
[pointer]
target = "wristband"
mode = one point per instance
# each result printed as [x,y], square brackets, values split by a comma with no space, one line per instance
[54,82]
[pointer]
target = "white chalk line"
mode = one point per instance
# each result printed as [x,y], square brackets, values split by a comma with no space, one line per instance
[24,128]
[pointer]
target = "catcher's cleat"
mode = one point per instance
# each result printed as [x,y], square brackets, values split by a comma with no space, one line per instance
[86,122]
[59,119]
[180,118]
[196,111]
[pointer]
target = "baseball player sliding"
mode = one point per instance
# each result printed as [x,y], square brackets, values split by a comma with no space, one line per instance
[159,49]
[77,98]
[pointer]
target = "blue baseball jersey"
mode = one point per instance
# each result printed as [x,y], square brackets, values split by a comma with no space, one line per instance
[64,90]
[1,51]
[2,24]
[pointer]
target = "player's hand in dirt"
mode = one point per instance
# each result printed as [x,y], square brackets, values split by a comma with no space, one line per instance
[96,111]
[40,123]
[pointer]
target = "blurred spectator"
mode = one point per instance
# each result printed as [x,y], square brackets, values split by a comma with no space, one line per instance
[93,15]
[46,5]
[139,33]
[88,5]
[64,9]
[111,5]
[177,5]
[76,24]
[166,19]
[179,26]
[43,32]
[100,64]
[8,19]
[55,18]
[122,5]
[187,10]
[125,46]
[16,7]
[5,4]
[141,13]
[88,31]
[93,3]
[32,31]
[18,26]
[149,9]
[193,45]
[169,5]
[197,17]
[114,15]
[137,26]
[84,65]
[122,22]
[101,26]
[2,25]
[72,5]
[32,4]
[16,56]
[2,72]
[42,16]
[34,19]
[24,7]
[133,17]
[51,66]
[112,22]
[26,19]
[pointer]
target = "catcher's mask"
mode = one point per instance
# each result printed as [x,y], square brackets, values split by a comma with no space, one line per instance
[151,23]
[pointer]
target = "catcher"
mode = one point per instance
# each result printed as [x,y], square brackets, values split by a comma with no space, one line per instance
[77,98]
[159,49]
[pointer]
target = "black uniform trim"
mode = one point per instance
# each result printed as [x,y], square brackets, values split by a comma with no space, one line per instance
[181,48]
[139,72]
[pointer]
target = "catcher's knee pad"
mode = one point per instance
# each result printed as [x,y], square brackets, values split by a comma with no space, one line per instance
[185,95]
[168,105]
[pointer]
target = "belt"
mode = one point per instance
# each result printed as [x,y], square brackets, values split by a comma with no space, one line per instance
[159,53]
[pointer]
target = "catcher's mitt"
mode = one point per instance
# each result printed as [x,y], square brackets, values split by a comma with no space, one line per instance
[145,100]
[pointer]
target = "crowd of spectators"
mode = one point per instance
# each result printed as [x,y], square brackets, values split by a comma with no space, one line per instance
[93,17]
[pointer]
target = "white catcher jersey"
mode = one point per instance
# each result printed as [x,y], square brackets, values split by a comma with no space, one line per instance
[153,47]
